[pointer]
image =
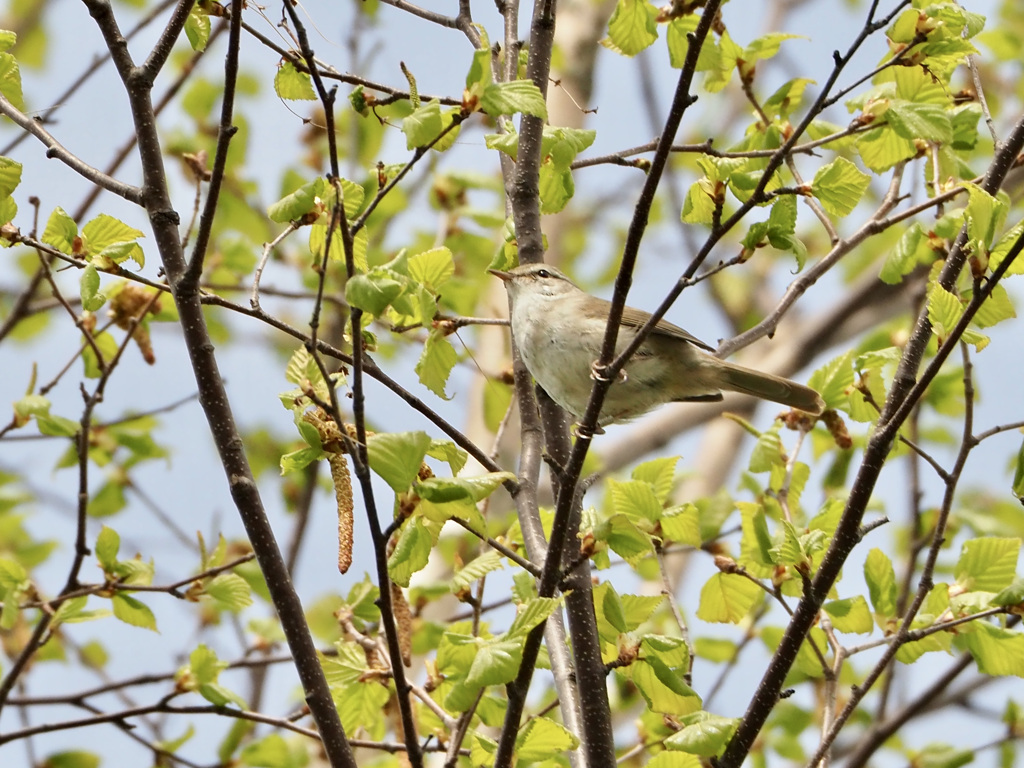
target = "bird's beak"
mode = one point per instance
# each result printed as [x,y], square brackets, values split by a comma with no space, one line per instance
[504,276]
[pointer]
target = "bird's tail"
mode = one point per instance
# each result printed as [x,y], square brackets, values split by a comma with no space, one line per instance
[769,387]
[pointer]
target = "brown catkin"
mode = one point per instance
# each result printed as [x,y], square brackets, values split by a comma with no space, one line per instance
[343,494]
[403,622]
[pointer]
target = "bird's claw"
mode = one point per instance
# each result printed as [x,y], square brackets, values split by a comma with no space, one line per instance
[582,434]
[597,372]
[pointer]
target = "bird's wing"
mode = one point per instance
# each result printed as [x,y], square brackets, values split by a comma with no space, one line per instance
[635,318]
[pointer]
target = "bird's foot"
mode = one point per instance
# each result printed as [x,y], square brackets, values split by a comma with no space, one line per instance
[597,372]
[582,434]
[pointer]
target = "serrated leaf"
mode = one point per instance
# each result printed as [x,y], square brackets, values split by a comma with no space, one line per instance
[61,231]
[372,293]
[881,579]
[634,499]
[632,26]
[726,598]
[703,734]
[10,81]
[423,125]
[663,688]
[432,268]
[530,614]
[997,651]
[411,552]
[108,542]
[914,120]
[293,206]
[988,564]
[850,615]
[293,85]
[436,363]
[833,380]
[516,96]
[89,289]
[496,663]
[839,186]
[396,457]
[543,739]
[230,590]
[10,176]
[995,309]
[197,28]
[132,611]
[441,490]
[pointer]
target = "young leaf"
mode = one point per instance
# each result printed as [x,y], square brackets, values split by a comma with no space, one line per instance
[293,85]
[396,457]
[632,26]
[839,186]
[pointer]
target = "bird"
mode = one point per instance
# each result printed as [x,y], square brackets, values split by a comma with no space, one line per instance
[559,329]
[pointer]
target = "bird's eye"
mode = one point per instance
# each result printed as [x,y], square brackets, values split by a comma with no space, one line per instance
[543,273]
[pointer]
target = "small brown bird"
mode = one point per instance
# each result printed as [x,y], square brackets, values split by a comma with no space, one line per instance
[559,330]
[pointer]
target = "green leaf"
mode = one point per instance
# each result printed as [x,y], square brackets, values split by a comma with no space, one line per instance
[682,525]
[632,27]
[496,663]
[432,268]
[628,540]
[107,545]
[913,120]
[881,579]
[839,186]
[985,216]
[89,289]
[881,148]
[204,665]
[447,451]
[293,85]
[911,249]
[132,611]
[995,309]
[726,598]
[614,613]
[987,565]
[61,231]
[230,590]
[677,40]
[373,292]
[476,569]
[293,206]
[436,363]
[10,81]
[10,176]
[1002,248]
[105,232]
[516,96]
[850,615]
[423,125]
[441,490]
[543,739]
[768,451]
[411,552]
[396,457]
[662,687]
[833,380]
[197,27]
[997,651]
[1018,475]
[660,474]
[703,734]
[72,759]
[634,499]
